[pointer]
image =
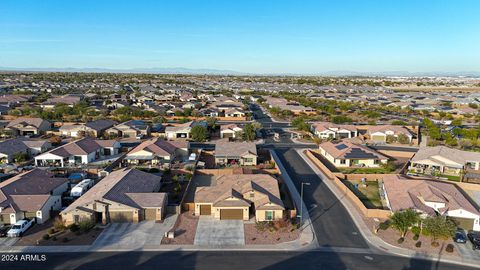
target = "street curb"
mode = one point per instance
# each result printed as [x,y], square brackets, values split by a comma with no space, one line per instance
[371,238]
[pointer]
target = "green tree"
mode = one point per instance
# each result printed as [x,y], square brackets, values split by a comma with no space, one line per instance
[249,132]
[402,221]
[457,122]
[403,139]
[20,157]
[212,122]
[199,134]
[439,227]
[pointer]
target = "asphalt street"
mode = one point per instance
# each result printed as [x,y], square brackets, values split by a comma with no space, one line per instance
[221,260]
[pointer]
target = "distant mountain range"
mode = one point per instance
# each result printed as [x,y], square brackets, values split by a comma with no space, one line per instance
[192,71]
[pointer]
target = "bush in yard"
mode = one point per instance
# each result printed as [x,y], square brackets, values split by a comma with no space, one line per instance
[51,231]
[46,236]
[402,221]
[54,238]
[415,230]
[418,244]
[415,237]
[439,227]
[261,226]
[86,225]
[449,248]
[74,228]
[384,225]
[280,223]
[400,240]
[59,224]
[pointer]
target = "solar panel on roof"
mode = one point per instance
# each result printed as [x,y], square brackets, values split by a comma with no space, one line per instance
[341,146]
[359,153]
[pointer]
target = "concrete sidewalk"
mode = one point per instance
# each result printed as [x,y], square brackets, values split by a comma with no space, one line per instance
[376,243]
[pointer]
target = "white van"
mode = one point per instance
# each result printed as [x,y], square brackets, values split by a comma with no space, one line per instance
[80,188]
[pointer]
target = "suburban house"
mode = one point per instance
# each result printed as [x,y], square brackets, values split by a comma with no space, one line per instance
[234,113]
[381,132]
[230,131]
[93,129]
[28,126]
[235,153]
[130,129]
[347,154]
[430,198]
[444,160]
[10,148]
[126,195]
[327,130]
[69,100]
[182,131]
[240,196]
[157,151]
[82,151]
[32,194]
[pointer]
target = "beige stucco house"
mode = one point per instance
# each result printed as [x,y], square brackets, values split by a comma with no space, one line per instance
[347,154]
[126,195]
[235,153]
[240,197]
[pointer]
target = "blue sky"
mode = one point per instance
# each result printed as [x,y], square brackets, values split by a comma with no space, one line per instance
[250,36]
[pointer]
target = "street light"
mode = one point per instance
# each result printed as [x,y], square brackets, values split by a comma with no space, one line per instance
[301,202]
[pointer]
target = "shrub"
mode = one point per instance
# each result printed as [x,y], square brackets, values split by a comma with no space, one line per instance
[261,225]
[51,231]
[74,228]
[400,240]
[418,244]
[435,244]
[54,238]
[281,223]
[86,225]
[384,225]
[415,230]
[59,224]
[449,248]
[415,237]
[46,236]
[188,177]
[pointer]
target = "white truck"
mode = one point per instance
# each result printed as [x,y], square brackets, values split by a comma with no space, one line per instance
[20,227]
[80,188]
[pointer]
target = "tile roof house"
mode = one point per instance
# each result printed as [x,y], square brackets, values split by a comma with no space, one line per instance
[9,148]
[444,160]
[28,126]
[130,129]
[32,194]
[429,198]
[235,153]
[69,100]
[236,196]
[157,151]
[327,130]
[94,128]
[380,133]
[126,195]
[230,131]
[347,154]
[79,152]
[182,131]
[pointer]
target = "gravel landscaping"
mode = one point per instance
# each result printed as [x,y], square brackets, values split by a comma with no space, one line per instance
[255,237]
[185,229]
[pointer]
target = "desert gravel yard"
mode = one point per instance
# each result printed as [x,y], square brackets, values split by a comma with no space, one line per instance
[253,236]
[184,229]
[219,233]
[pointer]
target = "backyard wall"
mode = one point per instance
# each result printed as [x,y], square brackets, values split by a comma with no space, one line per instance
[371,213]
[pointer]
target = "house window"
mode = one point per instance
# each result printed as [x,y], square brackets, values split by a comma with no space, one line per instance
[269,215]
[376,161]
[252,195]
[343,161]
[76,218]
[249,160]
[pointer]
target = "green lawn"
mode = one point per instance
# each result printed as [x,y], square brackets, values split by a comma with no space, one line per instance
[369,195]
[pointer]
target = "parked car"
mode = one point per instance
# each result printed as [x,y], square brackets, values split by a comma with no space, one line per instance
[4,230]
[20,227]
[475,239]
[460,237]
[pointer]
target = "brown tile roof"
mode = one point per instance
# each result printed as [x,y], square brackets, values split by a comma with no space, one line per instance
[234,149]
[404,193]
[234,186]
[116,187]
[36,122]
[160,147]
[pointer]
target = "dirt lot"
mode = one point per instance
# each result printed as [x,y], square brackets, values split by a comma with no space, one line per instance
[256,237]
[185,229]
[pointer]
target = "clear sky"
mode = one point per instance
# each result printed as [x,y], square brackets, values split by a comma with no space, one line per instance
[263,36]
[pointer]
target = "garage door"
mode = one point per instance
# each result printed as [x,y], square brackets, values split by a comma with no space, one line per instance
[119,217]
[378,138]
[205,210]
[464,223]
[150,214]
[231,214]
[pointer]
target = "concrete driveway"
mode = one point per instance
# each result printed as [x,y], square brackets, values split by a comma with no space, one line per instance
[219,233]
[466,251]
[8,241]
[134,235]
